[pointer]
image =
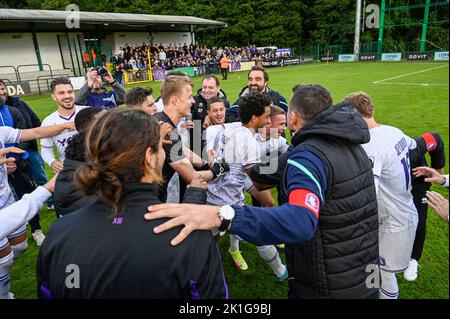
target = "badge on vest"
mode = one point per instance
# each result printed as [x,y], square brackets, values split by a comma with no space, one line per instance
[200,108]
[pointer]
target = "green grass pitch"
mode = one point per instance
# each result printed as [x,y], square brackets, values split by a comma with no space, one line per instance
[411,96]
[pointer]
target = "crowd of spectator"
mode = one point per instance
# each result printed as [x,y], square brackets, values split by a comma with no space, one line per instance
[169,57]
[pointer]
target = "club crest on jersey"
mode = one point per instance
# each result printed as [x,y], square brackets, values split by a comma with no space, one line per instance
[312,202]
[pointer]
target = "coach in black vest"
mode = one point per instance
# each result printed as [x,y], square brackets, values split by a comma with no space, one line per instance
[329,222]
[333,264]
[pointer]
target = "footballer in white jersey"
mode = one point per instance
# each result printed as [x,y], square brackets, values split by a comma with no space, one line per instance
[270,139]
[236,145]
[272,147]
[388,149]
[59,141]
[7,135]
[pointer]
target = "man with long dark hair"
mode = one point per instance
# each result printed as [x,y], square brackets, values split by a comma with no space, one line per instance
[117,257]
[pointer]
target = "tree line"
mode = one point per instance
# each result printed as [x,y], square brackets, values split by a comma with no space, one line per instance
[305,26]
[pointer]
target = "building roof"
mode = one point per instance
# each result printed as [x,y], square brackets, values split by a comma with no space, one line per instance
[106,18]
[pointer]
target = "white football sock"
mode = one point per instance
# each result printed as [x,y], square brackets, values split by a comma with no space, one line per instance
[5,265]
[234,243]
[389,286]
[271,256]
[19,249]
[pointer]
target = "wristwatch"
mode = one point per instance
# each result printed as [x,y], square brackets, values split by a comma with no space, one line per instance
[226,214]
[445,184]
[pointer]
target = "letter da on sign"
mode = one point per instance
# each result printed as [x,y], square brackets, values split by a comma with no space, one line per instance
[73,277]
[15,90]
[373,17]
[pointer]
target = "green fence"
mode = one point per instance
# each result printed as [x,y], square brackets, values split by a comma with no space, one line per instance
[319,50]
[389,45]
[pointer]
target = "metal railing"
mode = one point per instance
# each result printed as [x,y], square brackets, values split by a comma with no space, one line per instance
[27,65]
[12,67]
[7,81]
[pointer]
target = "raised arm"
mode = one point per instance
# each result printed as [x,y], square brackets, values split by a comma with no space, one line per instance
[23,210]
[293,222]
[45,131]
[120,92]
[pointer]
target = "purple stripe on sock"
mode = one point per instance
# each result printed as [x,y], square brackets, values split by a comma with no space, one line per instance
[389,294]
[3,278]
[272,259]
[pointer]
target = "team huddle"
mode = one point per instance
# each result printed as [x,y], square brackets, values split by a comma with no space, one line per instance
[143,192]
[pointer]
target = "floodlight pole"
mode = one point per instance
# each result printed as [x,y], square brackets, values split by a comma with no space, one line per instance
[380,34]
[357,30]
[424,26]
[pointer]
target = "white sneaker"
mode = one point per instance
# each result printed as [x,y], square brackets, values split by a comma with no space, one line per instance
[410,273]
[38,237]
[10,295]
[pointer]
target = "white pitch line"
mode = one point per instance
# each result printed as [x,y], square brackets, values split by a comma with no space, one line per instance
[401,76]
[415,84]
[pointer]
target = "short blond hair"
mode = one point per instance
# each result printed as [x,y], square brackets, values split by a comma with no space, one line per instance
[172,86]
[276,110]
[362,102]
